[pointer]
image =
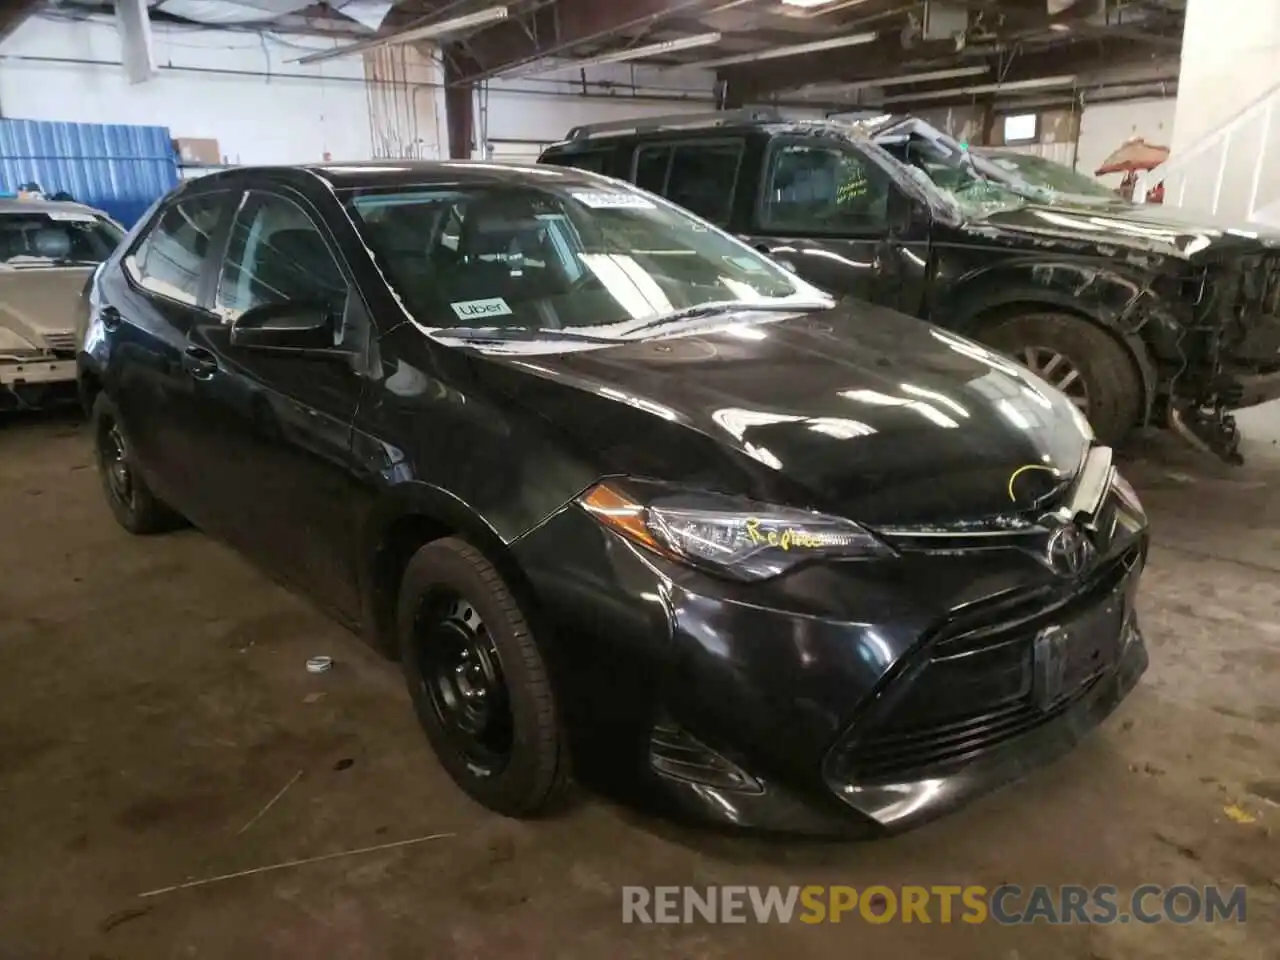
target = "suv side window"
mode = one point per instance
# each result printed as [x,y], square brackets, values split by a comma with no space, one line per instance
[702,179]
[169,259]
[276,254]
[824,188]
[698,176]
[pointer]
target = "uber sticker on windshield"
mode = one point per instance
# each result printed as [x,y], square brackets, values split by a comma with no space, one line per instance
[600,199]
[479,309]
[71,215]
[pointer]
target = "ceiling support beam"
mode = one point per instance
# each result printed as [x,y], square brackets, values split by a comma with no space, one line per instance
[133,23]
[459,111]
[555,29]
[13,15]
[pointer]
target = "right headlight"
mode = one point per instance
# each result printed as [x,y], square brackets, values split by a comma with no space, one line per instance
[738,537]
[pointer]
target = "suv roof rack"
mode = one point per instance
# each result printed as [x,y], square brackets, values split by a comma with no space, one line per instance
[674,121]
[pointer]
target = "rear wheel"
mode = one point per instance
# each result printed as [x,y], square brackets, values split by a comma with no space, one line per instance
[479,682]
[1086,363]
[132,503]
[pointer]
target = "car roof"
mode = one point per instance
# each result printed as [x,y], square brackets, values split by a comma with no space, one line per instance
[18,205]
[392,173]
[702,128]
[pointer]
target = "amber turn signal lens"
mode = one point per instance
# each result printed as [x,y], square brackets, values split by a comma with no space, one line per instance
[615,509]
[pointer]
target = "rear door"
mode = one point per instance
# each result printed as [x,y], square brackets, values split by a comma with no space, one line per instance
[144,312]
[700,175]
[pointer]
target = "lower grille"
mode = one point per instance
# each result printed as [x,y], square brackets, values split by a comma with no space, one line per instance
[677,753]
[972,686]
[63,342]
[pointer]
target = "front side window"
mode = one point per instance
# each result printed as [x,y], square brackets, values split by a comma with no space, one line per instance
[171,256]
[56,238]
[559,258]
[824,188]
[276,254]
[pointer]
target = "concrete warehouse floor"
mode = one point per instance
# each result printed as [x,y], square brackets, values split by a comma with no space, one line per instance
[153,700]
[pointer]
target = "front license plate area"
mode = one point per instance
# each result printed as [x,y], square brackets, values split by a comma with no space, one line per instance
[1069,654]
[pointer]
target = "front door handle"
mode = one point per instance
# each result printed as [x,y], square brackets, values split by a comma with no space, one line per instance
[200,363]
[110,318]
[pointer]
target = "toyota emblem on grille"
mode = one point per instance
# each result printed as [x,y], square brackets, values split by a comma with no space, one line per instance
[1069,551]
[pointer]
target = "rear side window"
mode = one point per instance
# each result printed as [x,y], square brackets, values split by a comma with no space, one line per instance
[821,188]
[595,161]
[170,257]
[698,176]
[276,254]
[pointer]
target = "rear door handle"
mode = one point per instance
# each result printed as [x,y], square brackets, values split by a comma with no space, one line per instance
[200,363]
[110,318]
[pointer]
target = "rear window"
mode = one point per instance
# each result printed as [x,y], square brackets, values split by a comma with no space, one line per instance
[56,237]
[698,176]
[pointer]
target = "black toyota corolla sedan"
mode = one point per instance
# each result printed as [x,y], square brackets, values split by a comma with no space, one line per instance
[613,485]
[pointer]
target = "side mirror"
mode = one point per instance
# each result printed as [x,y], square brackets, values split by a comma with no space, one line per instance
[293,326]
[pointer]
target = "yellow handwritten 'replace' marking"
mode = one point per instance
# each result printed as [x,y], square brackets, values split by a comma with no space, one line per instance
[786,539]
[1023,469]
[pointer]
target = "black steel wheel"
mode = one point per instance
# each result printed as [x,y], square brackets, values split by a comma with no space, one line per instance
[461,676]
[131,501]
[479,681]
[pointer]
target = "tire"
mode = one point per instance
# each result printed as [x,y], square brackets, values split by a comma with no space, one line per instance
[531,775]
[1112,390]
[134,506]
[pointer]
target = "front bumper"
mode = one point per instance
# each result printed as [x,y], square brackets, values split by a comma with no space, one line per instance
[37,370]
[840,700]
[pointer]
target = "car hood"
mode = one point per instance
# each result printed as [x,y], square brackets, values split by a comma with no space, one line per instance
[1108,228]
[39,306]
[881,417]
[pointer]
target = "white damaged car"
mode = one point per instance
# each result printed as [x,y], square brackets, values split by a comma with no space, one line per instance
[48,249]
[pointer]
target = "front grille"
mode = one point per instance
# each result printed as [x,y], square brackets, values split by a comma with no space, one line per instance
[971,686]
[61,343]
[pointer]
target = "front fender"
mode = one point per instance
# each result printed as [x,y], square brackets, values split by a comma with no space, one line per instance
[1123,303]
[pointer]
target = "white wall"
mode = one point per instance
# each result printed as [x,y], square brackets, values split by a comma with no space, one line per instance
[232,86]
[1105,126]
[518,117]
[242,90]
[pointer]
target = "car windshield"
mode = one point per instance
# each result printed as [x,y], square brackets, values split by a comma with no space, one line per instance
[1040,172]
[584,259]
[973,195]
[56,238]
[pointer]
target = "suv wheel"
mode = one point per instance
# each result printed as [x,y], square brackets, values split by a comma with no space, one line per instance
[478,680]
[1086,363]
[132,503]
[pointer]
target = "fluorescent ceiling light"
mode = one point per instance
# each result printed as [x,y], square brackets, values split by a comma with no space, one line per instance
[806,3]
[620,56]
[1038,83]
[774,53]
[427,31]
[907,78]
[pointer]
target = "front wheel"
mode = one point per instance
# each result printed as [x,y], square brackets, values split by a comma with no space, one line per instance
[479,682]
[1086,363]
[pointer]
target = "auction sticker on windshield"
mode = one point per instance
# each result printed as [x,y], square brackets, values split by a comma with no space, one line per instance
[71,215]
[473,309]
[603,200]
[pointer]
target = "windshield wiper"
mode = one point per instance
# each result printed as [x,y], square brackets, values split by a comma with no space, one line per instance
[506,334]
[725,306]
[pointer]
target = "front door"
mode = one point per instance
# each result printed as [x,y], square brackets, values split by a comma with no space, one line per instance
[828,211]
[277,427]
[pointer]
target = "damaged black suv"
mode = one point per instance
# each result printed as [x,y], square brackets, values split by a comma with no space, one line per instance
[1137,314]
